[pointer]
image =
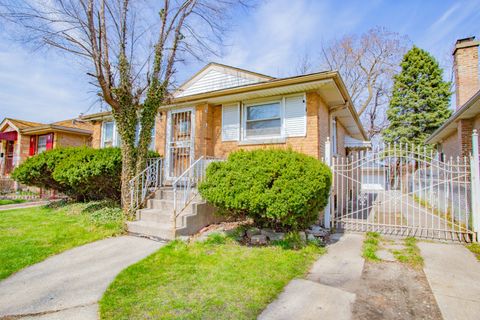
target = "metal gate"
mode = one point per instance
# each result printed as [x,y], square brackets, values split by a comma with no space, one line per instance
[180,142]
[403,190]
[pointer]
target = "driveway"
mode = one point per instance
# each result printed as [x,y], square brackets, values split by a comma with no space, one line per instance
[69,285]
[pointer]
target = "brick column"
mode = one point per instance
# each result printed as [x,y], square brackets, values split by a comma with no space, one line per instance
[465,62]
[203,130]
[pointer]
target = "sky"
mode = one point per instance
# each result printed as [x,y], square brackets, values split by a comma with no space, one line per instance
[270,38]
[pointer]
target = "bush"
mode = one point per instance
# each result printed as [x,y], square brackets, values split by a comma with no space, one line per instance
[91,174]
[80,172]
[279,189]
[38,170]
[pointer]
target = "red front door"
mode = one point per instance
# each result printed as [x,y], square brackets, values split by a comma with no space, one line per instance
[9,157]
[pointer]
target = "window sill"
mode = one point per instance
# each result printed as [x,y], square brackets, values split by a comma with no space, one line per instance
[262,141]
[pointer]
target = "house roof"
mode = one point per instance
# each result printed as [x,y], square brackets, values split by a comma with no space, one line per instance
[469,110]
[328,84]
[29,127]
[218,76]
[54,128]
[19,124]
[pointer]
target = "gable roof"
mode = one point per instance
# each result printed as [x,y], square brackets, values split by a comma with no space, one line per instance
[73,123]
[328,84]
[216,76]
[20,124]
[29,127]
[470,109]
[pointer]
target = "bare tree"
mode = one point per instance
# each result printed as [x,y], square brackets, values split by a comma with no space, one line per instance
[367,64]
[132,48]
[305,64]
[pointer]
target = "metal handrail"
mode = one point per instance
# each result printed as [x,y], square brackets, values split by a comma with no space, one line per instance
[183,192]
[145,183]
[183,187]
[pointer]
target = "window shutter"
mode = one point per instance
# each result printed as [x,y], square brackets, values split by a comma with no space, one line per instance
[231,122]
[33,146]
[50,141]
[295,117]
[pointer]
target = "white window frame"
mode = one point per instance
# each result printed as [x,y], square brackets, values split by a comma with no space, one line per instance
[115,141]
[138,128]
[38,151]
[245,105]
[334,136]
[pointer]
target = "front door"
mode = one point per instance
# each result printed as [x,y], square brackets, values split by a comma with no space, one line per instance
[9,157]
[180,131]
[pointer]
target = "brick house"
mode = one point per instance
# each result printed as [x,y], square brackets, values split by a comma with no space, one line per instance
[222,109]
[454,137]
[20,139]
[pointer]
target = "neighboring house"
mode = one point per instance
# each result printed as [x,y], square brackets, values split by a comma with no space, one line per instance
[222,109]
[20,139]
[454,137]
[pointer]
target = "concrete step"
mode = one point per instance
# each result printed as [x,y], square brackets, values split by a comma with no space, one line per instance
[161,217]
[150,229]
[155,215]
[165,193]
[164,205]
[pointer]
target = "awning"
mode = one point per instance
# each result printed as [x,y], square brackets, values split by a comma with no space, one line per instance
[9,136]
[353,143]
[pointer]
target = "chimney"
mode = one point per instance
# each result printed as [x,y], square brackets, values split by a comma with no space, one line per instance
[465,63]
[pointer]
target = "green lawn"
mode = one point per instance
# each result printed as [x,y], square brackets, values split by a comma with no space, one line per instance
[30,235]
[10,201]
[475,248]
[216,279]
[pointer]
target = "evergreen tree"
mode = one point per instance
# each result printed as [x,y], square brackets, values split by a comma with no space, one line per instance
[420,99]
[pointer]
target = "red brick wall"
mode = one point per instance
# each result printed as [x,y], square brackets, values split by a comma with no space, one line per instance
[451,145]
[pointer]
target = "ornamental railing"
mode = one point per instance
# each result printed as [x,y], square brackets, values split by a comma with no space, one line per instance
[185,187]
[145,183]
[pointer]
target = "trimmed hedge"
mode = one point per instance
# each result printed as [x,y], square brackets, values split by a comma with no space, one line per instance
[83,173]
[279,189]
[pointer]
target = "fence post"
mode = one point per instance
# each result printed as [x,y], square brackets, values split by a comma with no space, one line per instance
[475,173]
[328,209]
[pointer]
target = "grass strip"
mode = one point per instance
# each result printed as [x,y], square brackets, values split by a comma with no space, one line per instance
[371,246]
[214,279]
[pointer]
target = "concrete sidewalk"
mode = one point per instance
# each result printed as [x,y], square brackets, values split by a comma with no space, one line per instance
[24,205]
[453,274]
[328,291]
[69,285]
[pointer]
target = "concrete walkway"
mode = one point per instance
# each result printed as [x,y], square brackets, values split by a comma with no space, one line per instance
[453,273]
[69,285]
[328,291]
[24,205]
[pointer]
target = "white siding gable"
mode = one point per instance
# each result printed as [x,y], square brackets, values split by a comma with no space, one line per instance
[216,77]
[231,122]
[295,116]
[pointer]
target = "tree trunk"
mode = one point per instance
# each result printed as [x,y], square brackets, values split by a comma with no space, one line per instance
[128,172]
